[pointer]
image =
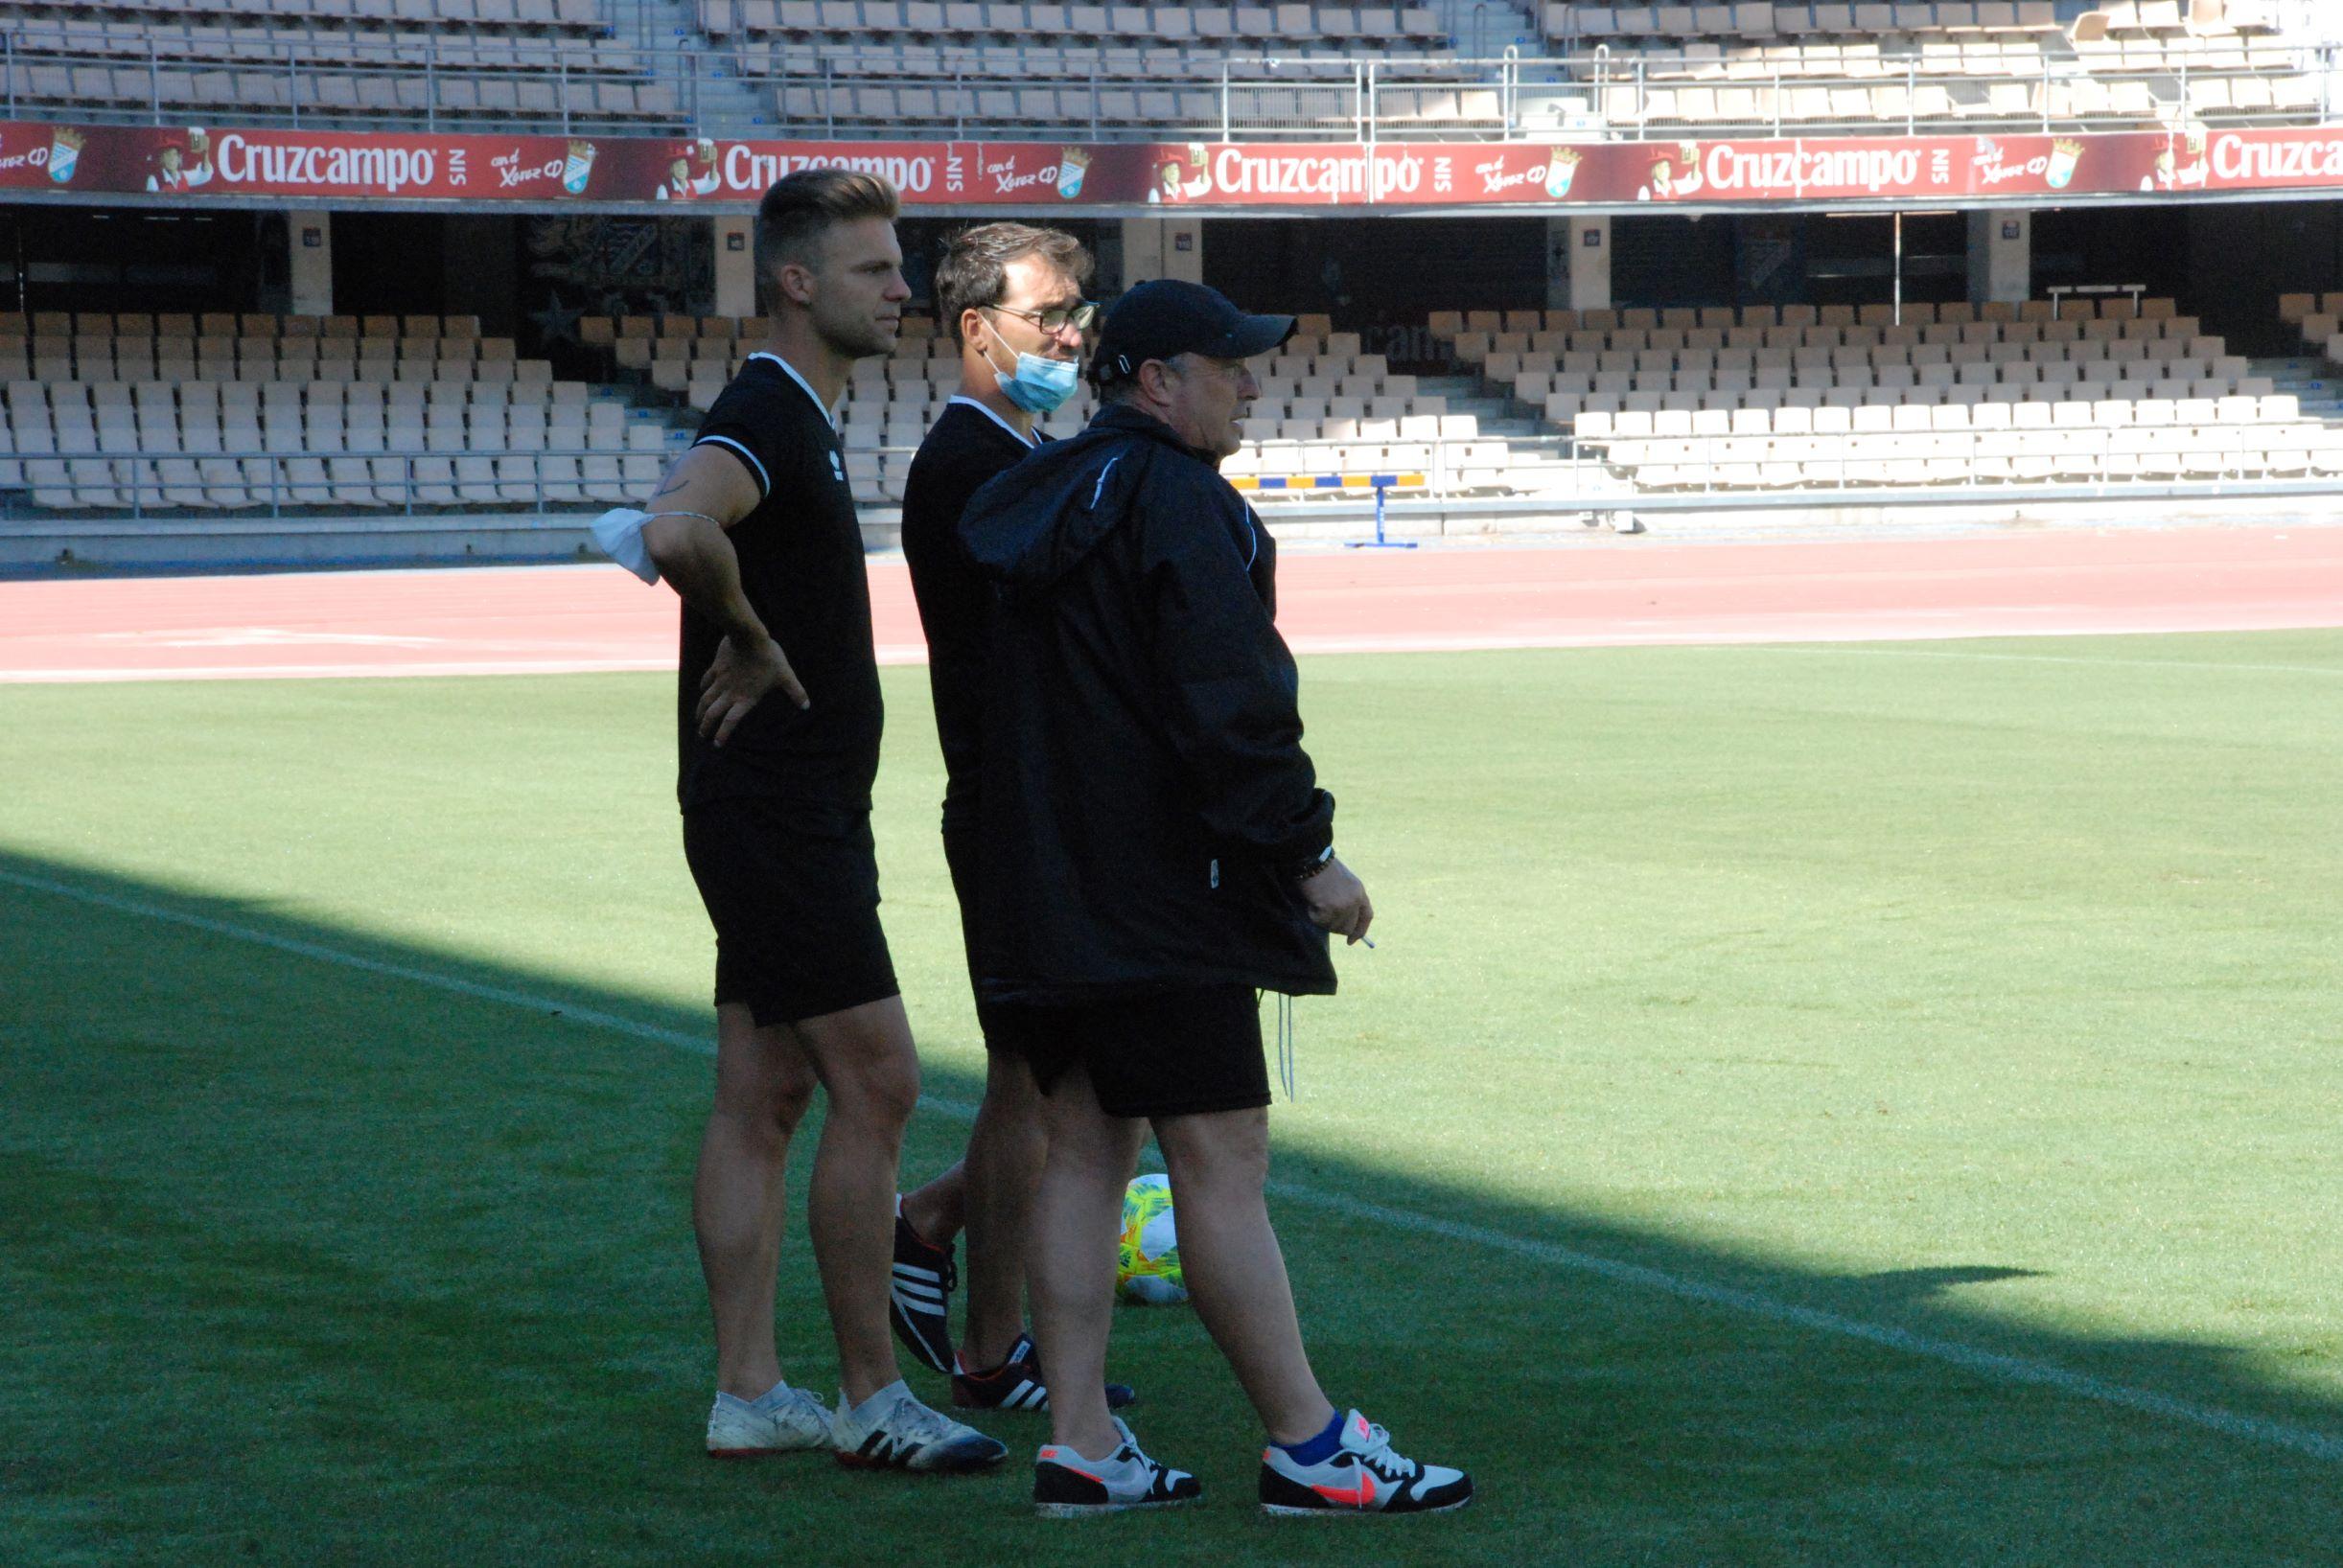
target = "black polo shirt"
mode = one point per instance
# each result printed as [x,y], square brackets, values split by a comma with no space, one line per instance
[965,447]
[802,568]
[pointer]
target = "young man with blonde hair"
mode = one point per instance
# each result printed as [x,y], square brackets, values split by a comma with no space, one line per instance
[779,720]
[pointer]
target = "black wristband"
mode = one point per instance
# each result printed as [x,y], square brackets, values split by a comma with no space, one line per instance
[1303,869]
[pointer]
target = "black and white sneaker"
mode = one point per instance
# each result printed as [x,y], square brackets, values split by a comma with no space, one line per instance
[1066,1486]
[919,1295]
[1361,1476]
[905,1435]
[1017,1384]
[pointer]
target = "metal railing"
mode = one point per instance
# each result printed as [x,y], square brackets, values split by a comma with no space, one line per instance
[2085,459]
[273,483]
[1446,467]
[142,483]
[1557,474]
[434,84]
[1033,95]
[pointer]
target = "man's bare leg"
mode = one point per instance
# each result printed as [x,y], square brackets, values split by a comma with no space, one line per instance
[938,1209]
[763,1084]
[867,1064]
[1235,1274]
[1071,1255]
[1006,1150]
[989,1194]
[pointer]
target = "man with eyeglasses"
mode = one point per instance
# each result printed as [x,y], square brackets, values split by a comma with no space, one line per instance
[1156,851]
[1011,295]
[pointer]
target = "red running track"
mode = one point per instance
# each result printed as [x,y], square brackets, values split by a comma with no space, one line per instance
[555,619]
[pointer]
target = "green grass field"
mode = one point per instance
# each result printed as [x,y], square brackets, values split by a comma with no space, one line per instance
[1810,1105]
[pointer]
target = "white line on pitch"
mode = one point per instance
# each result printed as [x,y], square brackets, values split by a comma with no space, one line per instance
[1986,1364]
[2053,658]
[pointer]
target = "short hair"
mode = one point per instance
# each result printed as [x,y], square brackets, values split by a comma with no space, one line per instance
[1120,389]
[1111,389]
[975,268]
[799,210]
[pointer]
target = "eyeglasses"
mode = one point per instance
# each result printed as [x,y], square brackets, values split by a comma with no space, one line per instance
[1056,318]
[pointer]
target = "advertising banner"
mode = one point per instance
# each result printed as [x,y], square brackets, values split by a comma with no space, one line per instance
[188,164]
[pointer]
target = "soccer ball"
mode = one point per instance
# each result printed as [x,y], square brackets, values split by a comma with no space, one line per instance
[1146,1261]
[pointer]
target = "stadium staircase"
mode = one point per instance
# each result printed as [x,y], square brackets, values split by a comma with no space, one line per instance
[2312,381]
[719,102]
[1485,28]
[1501,414]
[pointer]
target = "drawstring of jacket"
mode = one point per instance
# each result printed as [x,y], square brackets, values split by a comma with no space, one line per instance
[1285,1042]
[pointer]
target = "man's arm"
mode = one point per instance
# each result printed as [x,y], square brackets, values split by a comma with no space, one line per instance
[704,494]
[1231,715]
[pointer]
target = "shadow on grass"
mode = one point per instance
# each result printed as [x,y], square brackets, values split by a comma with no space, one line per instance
[320,1249]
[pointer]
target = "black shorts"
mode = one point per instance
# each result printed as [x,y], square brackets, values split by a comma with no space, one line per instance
[1182,1053]
[1002,1026]
[793,893]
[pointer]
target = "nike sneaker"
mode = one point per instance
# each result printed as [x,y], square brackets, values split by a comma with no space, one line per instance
[1066,1486]
[1361,1476]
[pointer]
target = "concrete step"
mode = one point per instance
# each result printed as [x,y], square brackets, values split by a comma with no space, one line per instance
[669,29]
[1485,28]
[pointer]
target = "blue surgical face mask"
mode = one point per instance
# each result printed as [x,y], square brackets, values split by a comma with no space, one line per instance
[1037,385]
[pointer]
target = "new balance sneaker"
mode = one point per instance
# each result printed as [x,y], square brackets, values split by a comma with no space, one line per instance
[1066,1486]
[1361,1476]
[893,1431]
[1017,1384]
[738,1429]
[919,1300]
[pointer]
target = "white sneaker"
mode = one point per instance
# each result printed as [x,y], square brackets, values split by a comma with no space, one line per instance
[737,1430]
[1361,1476]
[1067,1485]
[908,1436]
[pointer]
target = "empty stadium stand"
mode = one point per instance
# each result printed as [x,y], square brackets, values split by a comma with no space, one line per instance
[354,62]
[766,67]
[1176,25]
[1972,66]
[1766,357]
[228,412]
[2318,320]
[2111,441]
[1321,388]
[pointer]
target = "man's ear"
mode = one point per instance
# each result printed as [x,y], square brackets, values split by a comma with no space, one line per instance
[794,281]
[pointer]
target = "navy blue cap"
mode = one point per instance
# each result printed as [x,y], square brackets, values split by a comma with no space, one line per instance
[1164,318]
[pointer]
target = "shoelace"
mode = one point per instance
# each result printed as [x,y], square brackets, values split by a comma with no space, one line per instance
[921,1424]
[1379,1456]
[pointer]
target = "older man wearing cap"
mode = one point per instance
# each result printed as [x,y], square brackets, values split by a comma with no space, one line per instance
[1155,852]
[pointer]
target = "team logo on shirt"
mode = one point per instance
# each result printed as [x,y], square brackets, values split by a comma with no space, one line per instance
[838,468]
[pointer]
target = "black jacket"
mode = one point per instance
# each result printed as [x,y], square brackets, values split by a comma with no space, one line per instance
[1146,793]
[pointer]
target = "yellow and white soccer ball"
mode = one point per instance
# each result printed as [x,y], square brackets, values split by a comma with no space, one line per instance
[1146,1262]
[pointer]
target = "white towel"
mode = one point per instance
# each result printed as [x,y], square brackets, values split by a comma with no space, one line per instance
[619,534]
